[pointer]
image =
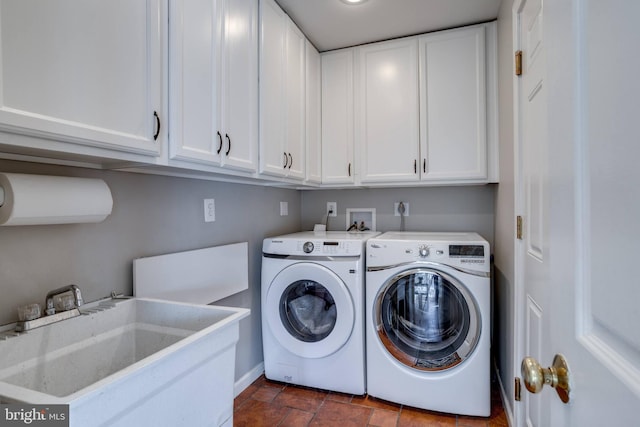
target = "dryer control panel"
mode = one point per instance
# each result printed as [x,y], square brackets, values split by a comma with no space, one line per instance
[462,250]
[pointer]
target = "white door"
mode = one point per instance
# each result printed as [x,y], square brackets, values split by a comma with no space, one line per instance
[337,117]
[240,89]
[453,96]
[90,73]
[295,132]
[591,307]
[387,133]
[313,115]
[273,157]
[532,256]
[195,43]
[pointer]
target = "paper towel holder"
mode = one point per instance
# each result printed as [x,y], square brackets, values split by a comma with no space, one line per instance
[41,199]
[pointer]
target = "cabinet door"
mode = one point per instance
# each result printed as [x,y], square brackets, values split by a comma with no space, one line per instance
[85,72]
[195,43]
[337,117]
[240,88]
[387,135]
[313,84]
[453,105]
[295,101]
[273,155]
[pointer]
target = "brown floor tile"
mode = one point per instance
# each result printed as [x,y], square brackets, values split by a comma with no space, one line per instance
[499,420]
[300,398]
[266,393]
[339,397]
[271,403]
[333,414]
[254,413]
[246,394]
[373,402]
[465,421]
[297,418]
[275,384]
[412,417]
[384,418]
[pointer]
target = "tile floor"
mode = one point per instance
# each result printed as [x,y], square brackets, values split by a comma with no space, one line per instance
[270,404]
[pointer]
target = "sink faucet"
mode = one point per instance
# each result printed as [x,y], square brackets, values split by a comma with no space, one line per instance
[77,297]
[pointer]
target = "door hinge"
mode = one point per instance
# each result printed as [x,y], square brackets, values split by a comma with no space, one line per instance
[518,59]
[517,388]
[519,227]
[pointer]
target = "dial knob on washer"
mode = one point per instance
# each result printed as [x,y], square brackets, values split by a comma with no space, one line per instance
[423,251]
[307,247]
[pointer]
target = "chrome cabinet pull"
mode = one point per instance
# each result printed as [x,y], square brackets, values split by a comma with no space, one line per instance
[290,161]
[286,161]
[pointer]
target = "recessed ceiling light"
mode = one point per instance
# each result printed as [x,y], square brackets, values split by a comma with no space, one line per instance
[351,2]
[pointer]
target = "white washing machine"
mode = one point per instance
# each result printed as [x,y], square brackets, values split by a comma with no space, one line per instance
[313,309]
[428,321]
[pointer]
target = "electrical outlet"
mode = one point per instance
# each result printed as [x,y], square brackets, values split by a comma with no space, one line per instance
[284,208]
[333,208]
[209,210]
[397,213]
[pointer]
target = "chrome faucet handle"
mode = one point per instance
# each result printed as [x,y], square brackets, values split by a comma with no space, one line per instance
[75,291]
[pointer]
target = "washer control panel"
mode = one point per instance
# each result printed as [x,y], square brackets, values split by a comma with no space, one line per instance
[329,247]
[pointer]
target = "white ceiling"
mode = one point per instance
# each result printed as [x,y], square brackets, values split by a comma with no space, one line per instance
[331,24]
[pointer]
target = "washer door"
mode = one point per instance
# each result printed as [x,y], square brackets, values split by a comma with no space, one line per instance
[309,310]
[427,319]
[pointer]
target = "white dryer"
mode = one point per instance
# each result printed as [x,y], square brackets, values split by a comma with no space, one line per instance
[313,309]
[428,321]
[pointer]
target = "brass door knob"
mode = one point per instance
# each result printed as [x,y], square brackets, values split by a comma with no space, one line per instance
[556,376]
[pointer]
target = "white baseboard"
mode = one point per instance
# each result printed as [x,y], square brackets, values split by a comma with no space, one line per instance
[247,379]
[506,403]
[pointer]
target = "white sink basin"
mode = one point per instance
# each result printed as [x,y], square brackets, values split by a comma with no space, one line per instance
[138,362]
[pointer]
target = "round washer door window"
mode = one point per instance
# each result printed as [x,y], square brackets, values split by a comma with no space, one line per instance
[427,320]
[309,310]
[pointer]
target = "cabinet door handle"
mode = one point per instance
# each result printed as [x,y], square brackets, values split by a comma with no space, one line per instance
[226,135]
[155,136]
[415,166]
[424,165]
[219,143]
[349,169]
[290,161]
[286,161]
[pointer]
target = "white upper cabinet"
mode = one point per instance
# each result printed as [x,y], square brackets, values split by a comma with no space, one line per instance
[424,111]
[79,75]
[295,89]
[214,83]
[313,95]
[282,94]
[387,133]
[338,117]
[453,105]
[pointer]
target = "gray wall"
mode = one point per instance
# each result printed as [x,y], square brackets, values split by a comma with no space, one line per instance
[505,214]
[465,208]
[155,215]
[151,215]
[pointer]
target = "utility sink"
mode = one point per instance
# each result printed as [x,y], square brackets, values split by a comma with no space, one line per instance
[137,361]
